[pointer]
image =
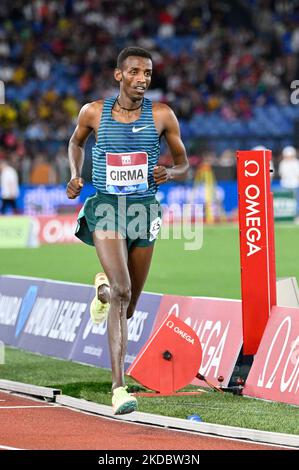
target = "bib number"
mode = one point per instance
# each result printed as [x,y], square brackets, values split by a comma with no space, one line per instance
[155,228]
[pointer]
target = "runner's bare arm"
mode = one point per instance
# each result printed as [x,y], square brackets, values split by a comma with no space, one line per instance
[76,149]
[171,131]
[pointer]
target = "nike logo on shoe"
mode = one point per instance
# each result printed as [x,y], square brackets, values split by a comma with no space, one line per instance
[138,129]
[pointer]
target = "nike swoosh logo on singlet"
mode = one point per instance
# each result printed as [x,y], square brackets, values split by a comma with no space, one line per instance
[138,129]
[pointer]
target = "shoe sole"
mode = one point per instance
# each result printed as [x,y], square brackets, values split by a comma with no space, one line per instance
[126,408]
[101,317]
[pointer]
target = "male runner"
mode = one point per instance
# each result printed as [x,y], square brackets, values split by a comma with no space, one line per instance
[128,129]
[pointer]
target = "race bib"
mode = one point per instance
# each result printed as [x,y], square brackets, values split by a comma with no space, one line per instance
[126,173]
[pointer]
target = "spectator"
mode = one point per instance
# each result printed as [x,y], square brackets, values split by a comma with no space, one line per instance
[216,59]
[288,171]
[42,172]
[9,183]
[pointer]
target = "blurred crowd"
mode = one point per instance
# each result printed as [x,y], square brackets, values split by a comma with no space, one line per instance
[210,56]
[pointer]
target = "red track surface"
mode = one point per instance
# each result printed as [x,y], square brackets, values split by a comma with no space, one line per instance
[44,426]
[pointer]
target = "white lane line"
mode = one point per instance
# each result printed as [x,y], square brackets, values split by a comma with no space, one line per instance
[193,433]
[203,429]
[10,448]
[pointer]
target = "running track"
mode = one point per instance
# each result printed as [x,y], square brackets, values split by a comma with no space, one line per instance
[37,425]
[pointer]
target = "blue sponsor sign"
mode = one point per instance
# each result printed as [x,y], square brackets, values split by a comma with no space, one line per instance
[55,319]
[17,297]
[52,318]
[26,308]
[45,200]
[49,200]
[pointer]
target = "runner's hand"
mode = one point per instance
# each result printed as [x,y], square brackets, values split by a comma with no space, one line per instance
[74,187]
[161,174]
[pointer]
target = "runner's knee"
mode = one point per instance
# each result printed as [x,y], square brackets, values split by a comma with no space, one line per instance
[120,292]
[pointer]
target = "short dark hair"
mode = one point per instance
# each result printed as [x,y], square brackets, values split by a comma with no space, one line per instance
[132,51]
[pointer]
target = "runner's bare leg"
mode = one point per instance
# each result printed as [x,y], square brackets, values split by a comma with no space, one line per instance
[113,256]
[139,262]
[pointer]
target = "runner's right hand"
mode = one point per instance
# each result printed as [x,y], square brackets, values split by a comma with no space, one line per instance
[74,187]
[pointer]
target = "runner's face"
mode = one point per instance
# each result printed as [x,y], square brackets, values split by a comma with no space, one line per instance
[135,76]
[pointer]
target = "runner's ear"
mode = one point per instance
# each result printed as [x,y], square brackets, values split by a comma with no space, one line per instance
[118,75]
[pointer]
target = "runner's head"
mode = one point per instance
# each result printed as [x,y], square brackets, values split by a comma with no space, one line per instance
[133,71]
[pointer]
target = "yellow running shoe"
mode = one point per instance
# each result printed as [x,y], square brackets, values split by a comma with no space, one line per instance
[99,310]
[123,402]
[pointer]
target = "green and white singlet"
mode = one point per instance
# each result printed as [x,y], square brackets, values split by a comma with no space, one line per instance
[125,154]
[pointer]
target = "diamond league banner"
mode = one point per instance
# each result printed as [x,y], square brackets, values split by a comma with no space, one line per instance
[52,318]
[40,315]
[17,297]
